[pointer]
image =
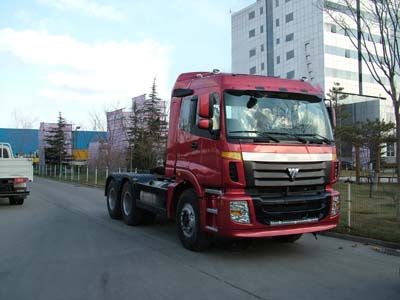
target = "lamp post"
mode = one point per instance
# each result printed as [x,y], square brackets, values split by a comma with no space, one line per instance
[75,139]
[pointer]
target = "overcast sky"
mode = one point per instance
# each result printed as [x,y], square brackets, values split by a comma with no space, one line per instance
[81,57]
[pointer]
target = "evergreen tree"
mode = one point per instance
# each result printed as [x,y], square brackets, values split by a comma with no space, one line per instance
[55,151]
[377,134]
[147,132]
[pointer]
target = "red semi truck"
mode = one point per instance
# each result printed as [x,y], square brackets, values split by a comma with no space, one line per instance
[247,157]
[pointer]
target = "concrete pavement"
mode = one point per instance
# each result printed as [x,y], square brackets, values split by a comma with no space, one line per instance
[61,244]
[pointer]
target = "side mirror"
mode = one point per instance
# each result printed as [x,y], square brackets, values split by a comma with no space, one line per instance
[205,107]
[205,124]
[332,116]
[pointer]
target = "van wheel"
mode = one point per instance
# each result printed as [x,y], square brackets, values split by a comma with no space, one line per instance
[131,214]
[16,200]
[19,201]
[288,238]
[113,201]
[188,223]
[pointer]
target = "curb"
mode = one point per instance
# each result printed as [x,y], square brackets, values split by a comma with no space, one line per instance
[391,247]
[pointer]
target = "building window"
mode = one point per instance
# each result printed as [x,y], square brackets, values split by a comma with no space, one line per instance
[276,3]
[252,15]
[262,66]
[252,33]
[277,22]
[262,47]
[261,10]
[289,37]
[252,52]
[390,150]
[347,53]
[290,54]
[289,17]
[261,28]
[286,1]
[290,75]
[278,40]
[333,28]
[253,70]
[278,60]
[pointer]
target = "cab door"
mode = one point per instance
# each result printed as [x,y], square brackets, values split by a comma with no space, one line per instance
[206,165]
[188,150]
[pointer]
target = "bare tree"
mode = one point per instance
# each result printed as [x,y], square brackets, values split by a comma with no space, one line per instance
[98,121]
[24,120]
[377,41]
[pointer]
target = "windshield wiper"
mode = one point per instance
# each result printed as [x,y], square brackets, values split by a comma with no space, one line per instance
[304,141]
[260,133]
[318,137]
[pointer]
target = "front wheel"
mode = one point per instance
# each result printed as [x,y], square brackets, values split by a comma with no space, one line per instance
[288,238]
[188,223]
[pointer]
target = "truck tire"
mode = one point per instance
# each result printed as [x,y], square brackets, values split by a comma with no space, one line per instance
[113,202]
[131,214]
[12,200]
[188,223]
[288,238]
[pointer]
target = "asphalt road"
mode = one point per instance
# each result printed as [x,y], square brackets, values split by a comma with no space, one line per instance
[61,244]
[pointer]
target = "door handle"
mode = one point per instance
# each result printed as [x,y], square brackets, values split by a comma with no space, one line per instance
[195,145]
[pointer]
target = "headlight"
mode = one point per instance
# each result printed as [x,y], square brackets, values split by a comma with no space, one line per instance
[239,211]
[335,205]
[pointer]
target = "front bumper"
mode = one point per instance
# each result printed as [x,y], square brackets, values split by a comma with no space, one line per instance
[226,227]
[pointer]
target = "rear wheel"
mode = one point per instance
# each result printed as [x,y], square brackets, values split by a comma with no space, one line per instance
[113,202]
[16,200]
[20,201]
[188,223]
[288,238]
[131,214]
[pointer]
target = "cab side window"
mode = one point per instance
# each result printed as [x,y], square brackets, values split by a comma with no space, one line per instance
[5,153]
[188,114]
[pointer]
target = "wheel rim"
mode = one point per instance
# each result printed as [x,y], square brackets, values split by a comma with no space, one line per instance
[112,199]
[127,203]
[188,220]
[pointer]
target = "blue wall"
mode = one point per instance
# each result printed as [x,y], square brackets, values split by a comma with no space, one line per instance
[26,141]
[23,141]
[82,139]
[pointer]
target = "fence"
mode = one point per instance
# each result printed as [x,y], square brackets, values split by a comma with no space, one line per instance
[369,210]
[78,174]
[366,210]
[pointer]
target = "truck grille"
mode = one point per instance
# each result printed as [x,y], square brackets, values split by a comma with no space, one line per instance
[270,174]
[291,209]
[280,198]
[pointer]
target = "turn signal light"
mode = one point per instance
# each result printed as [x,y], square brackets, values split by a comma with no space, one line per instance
[335,171]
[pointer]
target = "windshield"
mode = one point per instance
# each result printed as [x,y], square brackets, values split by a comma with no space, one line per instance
[276,117]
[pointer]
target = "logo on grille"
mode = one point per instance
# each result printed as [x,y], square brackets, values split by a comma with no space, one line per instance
[292,172]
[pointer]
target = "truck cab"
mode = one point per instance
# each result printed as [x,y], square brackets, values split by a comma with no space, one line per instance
[247,157]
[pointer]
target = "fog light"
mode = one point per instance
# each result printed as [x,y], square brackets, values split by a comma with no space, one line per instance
[335,205]
[239,212]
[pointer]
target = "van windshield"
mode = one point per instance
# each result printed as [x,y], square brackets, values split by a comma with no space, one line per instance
[276,117]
